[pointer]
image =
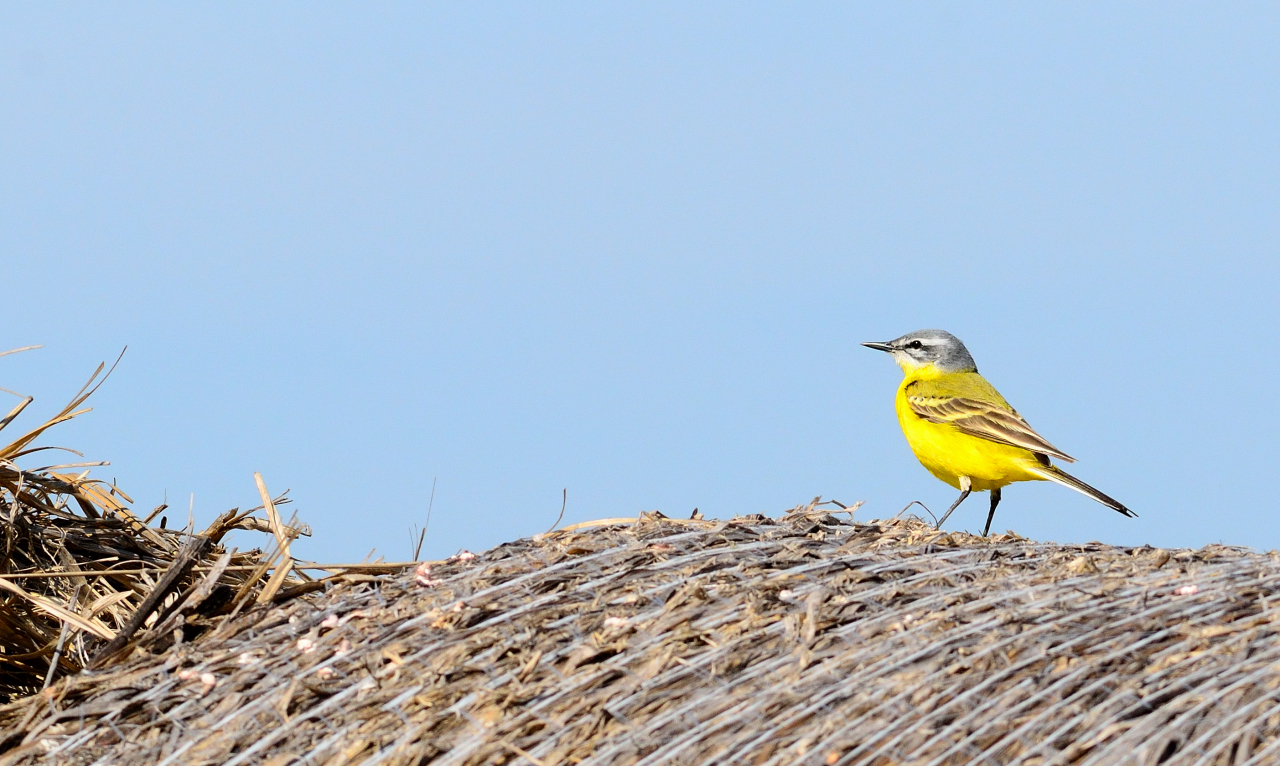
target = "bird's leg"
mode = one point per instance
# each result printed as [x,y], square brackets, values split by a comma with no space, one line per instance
[965,486]
[995,500]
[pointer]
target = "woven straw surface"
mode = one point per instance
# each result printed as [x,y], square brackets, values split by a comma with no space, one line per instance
[798,640]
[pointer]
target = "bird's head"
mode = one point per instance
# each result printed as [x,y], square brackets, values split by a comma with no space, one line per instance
[924,348]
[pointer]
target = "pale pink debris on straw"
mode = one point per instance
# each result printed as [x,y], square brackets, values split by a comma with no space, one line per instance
[423,576]
[1186,590]
[209,681]
[306,645]
[330,622]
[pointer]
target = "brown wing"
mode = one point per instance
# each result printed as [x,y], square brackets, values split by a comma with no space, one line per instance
[985,421]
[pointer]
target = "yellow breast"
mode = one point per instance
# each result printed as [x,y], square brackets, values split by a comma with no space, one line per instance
[949,454]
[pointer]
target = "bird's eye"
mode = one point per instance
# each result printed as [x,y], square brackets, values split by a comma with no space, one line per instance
[915,344]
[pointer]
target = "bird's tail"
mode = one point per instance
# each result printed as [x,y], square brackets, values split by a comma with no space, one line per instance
[1055,474]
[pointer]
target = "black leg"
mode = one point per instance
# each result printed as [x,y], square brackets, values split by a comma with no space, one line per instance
[995,500]
[954,505]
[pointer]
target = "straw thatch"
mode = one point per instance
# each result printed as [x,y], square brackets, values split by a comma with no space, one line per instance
[82,579]
[760,641]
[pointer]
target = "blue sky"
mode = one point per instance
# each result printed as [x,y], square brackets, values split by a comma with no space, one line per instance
[630,252]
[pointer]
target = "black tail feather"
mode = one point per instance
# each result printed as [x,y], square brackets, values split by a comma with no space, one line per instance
[1055,474]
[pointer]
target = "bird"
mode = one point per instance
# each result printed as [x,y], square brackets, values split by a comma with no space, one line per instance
[963,431]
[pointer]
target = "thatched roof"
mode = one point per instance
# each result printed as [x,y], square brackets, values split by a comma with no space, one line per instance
[798,640]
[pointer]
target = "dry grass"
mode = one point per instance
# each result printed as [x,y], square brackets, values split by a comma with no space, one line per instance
[82,578]
[799,640]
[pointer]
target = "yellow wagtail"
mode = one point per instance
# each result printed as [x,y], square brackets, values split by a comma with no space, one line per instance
[963,430]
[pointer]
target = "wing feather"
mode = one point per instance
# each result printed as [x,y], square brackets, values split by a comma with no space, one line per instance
[985,420]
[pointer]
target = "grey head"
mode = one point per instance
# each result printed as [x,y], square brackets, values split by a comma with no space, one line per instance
[925,347]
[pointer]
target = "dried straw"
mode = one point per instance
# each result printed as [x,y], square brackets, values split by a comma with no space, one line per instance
[82,578]
[645,641]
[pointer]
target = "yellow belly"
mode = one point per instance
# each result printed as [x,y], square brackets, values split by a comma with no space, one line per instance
[949,454]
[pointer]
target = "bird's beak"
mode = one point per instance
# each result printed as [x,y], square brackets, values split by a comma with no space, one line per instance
[879,346]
